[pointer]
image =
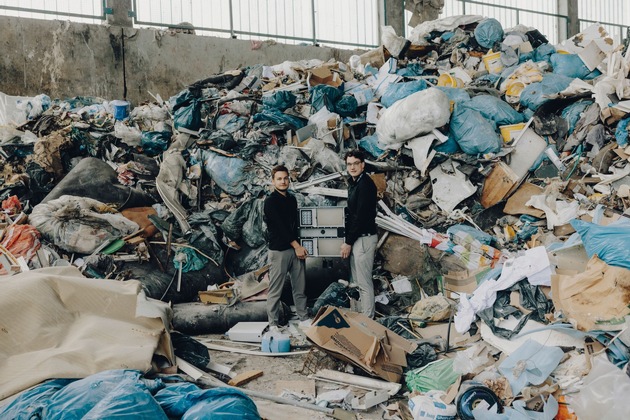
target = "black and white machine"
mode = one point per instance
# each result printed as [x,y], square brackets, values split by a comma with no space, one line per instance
[322,231]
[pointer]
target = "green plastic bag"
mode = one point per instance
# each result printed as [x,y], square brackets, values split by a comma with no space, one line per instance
[438,375]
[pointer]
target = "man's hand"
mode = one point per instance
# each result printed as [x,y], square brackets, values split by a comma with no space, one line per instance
[301,252]
[345,250]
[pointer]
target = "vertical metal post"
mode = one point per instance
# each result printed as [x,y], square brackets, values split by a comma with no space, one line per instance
[314,22]
[518,17]
[463,7]
[231,21]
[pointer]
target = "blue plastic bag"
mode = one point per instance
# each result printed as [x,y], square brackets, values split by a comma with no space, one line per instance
[346,106]
[154,142]
[570,65]
[488,32]
[227,172]
[544,52]
[621,132]
[536,94]
[280,100]
[188,116]
[449,147]
[187,401]
[398,91]
[278,117]
[191,260]
[370,144]
[457,232]
[120,394]
[611,243]
[473,133]
[573,113]
[454,94]
[324,96]
[412,69]
[495,109]
[230,123]
[31,403]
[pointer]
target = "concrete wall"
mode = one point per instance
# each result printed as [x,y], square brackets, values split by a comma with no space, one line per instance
[65,59]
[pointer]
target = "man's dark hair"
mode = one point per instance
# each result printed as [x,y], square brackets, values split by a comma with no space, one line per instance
[355,153]
[279,168]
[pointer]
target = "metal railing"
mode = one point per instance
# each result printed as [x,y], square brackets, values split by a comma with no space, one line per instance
[544,15]
[353,23]
[53,9]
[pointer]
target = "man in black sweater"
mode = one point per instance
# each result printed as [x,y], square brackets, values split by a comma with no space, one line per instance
[361,238]
[286,255]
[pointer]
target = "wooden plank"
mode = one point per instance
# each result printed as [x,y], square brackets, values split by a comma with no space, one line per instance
[244,377]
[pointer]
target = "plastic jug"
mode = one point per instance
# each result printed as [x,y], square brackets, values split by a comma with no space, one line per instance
[276,342]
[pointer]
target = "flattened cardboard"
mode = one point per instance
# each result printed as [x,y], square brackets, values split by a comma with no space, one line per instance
[515,205]
[357,339]
[595,298]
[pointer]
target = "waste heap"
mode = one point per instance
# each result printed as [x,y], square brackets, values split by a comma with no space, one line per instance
[503,270]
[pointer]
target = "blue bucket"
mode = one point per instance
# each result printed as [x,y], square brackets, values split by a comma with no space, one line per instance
[120,109]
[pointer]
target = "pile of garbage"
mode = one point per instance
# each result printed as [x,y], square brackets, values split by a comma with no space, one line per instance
[503,270]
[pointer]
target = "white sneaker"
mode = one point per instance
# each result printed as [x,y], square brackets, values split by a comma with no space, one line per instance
[306,323]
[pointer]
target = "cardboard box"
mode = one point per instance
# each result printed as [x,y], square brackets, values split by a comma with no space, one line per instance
[220,296]
[357,339]
[323,75]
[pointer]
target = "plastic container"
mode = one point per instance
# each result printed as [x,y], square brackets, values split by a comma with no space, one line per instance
[448,80]
[513,92]
[276,342]
[509,132]
[120,109]
[493,63]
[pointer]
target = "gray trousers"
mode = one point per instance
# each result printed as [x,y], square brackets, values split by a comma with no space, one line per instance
[283,262]
[361,262]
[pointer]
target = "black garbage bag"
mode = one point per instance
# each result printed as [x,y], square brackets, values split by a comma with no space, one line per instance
[421,356]
[246,223]
[204,236]
[532,298]
[93,178]
[190,350]
[245,260]
[336,294]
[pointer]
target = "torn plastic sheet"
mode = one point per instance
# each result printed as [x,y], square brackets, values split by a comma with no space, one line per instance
[532,363]
[518,412]
[533,265]
[559,335]
[420,147]
[604,394]
[558,212]
[532,298]
[170,180]
[420,33]
[450,186]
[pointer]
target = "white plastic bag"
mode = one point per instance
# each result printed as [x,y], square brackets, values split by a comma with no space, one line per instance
[413,116]
[79,224]
[605,393]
